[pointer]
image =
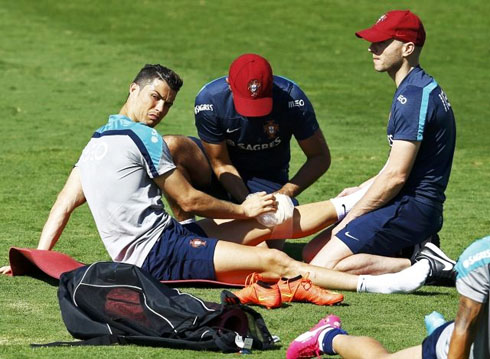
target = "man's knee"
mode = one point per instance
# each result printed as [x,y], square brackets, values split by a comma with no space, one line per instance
[175,143]
[277,261]
[331,254]
[190,159]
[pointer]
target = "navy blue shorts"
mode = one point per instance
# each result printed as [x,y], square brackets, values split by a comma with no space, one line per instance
[429,344]
[255,182]
[181,254]
[400,224]
[194,228]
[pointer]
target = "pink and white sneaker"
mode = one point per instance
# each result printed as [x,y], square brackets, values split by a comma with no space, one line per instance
[331,320]
[306,345]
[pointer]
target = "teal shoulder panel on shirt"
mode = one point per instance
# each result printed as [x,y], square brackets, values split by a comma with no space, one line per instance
[149,137]
[423,108]
[152,140]
[475,256]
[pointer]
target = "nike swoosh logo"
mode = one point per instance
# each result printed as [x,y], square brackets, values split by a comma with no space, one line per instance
[231,131]
[351,236]
[448,266]
[265,298]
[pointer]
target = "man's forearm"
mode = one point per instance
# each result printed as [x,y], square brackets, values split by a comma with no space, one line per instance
[389,181]
[460,346]
[311,170]
[70,197]
[384,188]
[232,182]
[53,228]
[465,328]
[210,207]
[204,205]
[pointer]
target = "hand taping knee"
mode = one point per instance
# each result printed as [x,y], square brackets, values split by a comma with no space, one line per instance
[281,221]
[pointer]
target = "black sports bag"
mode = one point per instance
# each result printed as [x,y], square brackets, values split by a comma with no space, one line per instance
[107,303]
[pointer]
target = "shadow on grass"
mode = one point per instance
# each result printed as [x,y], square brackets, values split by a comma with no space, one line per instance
[277,346]
[45,278]
[429,294]
[294,250]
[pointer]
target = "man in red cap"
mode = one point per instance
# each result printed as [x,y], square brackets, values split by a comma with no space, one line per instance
[245,122]
[403,205]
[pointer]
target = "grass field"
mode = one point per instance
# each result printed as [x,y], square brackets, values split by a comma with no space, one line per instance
[66,65]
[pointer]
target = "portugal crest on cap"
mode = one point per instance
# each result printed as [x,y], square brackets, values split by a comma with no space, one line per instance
[271,128]
[253,87]
[382,18]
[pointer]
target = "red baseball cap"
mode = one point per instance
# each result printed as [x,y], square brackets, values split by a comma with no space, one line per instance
[401,25]
[250,79]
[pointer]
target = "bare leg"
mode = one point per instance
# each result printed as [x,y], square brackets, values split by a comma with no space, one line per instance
[233,262]
[314,246]
[248,232]
[336,255]
[371,264]
[332,253]
[190,160]
[307,219]
[414,352]
[352,347]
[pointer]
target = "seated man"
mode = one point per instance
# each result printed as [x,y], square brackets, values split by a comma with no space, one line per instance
[122,173]
[245,123]
[466,337]
[403,205]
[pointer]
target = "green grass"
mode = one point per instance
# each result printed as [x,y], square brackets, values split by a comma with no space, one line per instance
[66,65]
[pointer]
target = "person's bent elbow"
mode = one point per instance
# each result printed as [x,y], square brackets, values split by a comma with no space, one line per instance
[326,161]
[395,179]
[189,202]
[187,205]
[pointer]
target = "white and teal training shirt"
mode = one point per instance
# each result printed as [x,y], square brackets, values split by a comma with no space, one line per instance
[117,167]
[473,281]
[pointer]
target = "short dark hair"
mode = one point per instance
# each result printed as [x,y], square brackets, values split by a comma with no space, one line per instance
[150,72]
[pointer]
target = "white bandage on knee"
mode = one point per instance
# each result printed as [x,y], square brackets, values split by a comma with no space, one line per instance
[285,209]
[344,204]
[281,220]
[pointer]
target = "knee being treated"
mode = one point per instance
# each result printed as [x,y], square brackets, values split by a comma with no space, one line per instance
[281,221]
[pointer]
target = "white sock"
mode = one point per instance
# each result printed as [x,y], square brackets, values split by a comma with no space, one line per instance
[406,281]
[344,204]
[320,339]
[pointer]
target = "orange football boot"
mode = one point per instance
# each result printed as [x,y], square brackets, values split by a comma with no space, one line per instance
[301,289]
[258,292]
